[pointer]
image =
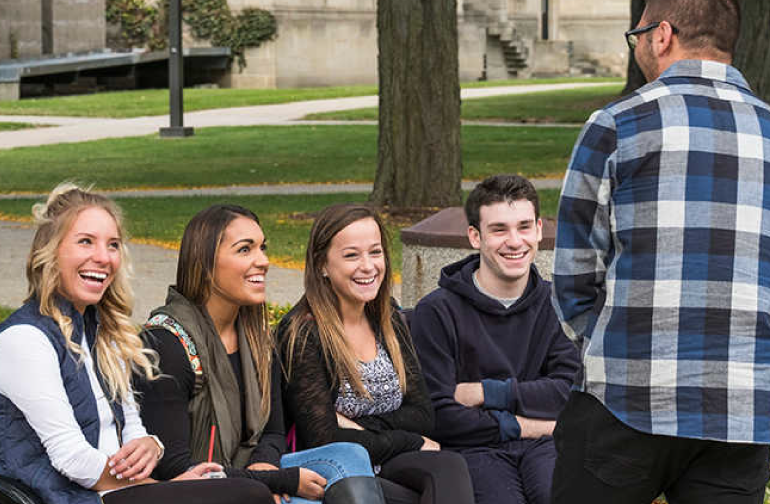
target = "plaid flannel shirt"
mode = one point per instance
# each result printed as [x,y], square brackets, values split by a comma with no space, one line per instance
[662,261]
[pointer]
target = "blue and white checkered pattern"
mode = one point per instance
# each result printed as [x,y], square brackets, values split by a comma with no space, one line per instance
[662,265]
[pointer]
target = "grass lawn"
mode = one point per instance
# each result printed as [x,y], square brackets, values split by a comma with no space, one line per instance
[285,219]
[267,154]
[4,312]
[565,106]
[155,101]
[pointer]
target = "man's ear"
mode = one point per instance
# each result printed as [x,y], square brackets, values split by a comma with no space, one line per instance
[539,225]
[663,38]
[474,236]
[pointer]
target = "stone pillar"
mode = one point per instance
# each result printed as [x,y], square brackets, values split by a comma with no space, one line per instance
[550,58]
[260,70]
[78,25]
[442,239]
[20,34]
[596,32]
[9,91]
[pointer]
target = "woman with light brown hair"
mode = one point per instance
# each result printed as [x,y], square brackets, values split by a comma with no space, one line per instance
[220,393]
[352,371]
[71,429]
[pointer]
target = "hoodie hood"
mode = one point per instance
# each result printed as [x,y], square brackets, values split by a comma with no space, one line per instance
[458,278]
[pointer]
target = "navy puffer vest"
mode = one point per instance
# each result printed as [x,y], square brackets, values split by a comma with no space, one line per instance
[22,455]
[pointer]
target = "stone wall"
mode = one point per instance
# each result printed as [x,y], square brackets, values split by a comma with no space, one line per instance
[331,43]
[78,25]
[421,269]
[595,30]
[472,40]
[334,42]
[20,33]
[329,47]
[550,58]
[440,240]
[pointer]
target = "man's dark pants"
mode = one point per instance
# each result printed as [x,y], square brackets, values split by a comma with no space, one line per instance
[517,472]
[600,458]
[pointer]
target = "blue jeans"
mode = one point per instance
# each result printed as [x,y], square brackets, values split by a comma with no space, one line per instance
[334,462]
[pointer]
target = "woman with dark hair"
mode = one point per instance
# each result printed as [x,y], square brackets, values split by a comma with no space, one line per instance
[70,426]
[219,396]
[352,372]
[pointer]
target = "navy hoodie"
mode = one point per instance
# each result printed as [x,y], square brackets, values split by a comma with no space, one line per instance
[520,354]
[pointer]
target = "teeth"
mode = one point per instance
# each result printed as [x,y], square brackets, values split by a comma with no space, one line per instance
[364,281]
[514,256]
[256,278]
[94,275]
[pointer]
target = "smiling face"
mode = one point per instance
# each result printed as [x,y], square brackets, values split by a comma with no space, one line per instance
[89,257]
[240,265]
[355,263]
[507,243]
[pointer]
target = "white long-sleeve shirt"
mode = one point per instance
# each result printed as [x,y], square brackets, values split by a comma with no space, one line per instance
[30,377]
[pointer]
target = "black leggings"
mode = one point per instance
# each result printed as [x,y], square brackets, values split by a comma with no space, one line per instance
[204,491]
[426,477]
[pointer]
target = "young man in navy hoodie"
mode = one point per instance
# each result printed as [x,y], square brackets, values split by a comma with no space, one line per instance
[498,366]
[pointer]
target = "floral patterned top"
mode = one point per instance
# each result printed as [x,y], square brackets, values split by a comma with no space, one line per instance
[380,380]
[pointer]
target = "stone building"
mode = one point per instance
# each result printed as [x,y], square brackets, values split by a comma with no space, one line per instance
[334,42]
[31,28]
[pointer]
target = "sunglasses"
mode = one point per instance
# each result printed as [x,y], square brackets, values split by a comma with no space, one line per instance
[632,36]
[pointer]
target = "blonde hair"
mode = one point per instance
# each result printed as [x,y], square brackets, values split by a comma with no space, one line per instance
[320,305]
[195,277]
[119,349]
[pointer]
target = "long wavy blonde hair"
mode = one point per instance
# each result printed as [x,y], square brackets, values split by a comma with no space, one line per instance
[119,349]
[195,279]
[320,306]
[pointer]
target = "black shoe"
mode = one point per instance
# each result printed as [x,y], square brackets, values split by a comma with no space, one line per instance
[355,490]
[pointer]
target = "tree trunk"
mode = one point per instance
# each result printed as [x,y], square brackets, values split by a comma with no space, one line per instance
[419,157]
[634,76]
[752,53]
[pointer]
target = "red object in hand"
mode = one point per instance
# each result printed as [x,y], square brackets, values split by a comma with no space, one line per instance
[211,442]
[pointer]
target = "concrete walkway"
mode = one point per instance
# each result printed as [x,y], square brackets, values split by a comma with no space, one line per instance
[154,270]
[155,267]
[71,130]
[261,190]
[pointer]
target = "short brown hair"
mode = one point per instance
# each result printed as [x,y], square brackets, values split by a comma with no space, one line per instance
[499,189]
[704,25]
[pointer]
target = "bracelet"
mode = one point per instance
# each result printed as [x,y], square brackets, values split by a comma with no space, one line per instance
[161,448]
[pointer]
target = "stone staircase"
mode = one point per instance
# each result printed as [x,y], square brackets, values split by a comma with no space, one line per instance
[493,15]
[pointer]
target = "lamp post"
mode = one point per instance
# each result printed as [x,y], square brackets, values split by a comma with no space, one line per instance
[175,75]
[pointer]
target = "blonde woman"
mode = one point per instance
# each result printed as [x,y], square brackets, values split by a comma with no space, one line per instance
[353,374]
[71,430]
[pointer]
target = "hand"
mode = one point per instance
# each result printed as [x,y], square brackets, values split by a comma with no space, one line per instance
[199,472]
[135,460]
[535,427]
[311,484]
[277,498]
[470,395]
[262,466]
[346,423]
[429,445]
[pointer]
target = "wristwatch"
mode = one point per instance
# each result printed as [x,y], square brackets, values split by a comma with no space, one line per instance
[162,449]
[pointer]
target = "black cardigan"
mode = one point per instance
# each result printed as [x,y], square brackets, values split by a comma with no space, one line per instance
[164,413]
[309,400]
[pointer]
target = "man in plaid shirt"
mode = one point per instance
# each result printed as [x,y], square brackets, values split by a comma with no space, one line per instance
[662,276]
